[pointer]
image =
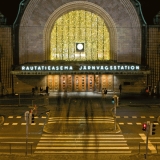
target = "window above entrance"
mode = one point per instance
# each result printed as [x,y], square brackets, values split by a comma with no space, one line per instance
[80,27]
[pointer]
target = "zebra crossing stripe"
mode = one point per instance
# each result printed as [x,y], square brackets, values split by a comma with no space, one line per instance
[77,141]
[90,135]
[50,143]
[82,148]
[81,152]
[81,120]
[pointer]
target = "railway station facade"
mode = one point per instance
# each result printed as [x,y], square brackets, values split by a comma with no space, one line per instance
[79,46]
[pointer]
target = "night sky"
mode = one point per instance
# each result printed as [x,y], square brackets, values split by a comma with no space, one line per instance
[9,8]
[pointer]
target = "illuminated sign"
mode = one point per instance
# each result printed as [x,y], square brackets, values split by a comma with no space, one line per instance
[46,68]
[81,68]
[110,68]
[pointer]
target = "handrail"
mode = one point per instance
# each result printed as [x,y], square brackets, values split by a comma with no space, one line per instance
[18,143]
[149,143]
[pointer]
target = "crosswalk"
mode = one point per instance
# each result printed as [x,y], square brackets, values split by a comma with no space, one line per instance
[82,142]
[101,143]
[79,143]
[81,119]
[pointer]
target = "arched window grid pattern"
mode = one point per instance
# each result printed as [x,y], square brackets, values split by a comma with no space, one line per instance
[79,26]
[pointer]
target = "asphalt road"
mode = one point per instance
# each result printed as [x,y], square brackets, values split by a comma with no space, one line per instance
[82,124]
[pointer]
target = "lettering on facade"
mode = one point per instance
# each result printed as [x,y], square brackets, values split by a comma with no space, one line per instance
[82,68]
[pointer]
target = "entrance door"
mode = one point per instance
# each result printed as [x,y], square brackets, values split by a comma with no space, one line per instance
[80,83]
[90,83]
[66,83]
[69,83]
[53,83]
[97,83]
[104,81]
[107,82]
[63,83]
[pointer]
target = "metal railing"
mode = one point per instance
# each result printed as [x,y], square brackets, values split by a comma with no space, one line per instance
[153,145]
[16,147]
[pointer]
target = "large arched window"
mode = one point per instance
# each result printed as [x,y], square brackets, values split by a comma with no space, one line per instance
[83,27]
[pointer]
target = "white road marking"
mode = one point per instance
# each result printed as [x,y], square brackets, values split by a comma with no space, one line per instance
[134,116]
[121,123]
[41,124]
[18,117]
[79,152]
[143,116]
[139,123]
[151,116]
[43,117]
[10,117]
[150,146]
[14,124]
[82,148]
[156,123]
[5,124]
[125,116]
[23,124]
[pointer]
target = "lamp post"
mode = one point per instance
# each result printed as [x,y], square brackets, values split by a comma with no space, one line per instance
[3,20]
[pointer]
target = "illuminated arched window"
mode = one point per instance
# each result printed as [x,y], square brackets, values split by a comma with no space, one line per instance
[83,27]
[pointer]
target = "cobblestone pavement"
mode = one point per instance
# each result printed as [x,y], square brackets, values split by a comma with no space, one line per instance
[80,157]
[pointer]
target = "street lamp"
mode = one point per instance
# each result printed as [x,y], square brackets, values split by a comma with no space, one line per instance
[156,19]
[3,19]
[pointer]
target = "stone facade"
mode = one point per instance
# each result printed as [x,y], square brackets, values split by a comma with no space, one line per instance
[37,22]
[131,83]
[6,60]
[153,55]
[40,15]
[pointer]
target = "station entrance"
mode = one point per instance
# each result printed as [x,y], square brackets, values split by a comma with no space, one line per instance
[80,82]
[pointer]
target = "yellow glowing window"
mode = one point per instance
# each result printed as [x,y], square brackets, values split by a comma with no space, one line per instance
[82,27]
